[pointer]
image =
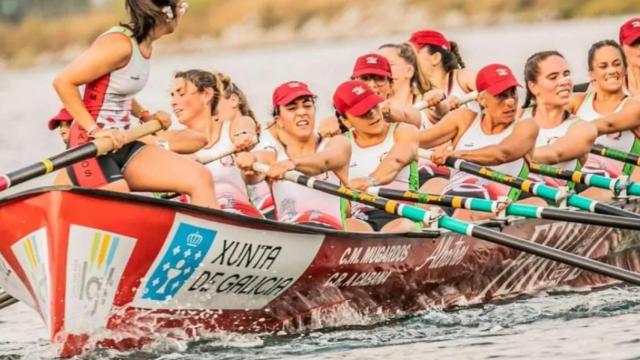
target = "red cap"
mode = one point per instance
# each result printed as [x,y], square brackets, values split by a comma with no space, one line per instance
[63,115]
[630,31]
[495,79]
[355,97]
[289,91]
[429,37]
[372,64]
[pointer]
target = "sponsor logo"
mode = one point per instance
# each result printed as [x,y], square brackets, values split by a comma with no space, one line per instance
[293,84]
[185,253]
[96,260]
[375,254]
[358,90]
[502,72]
[10,282]
[32,253]
[468,145]
[446,255]
[636,24]
[136,78]
[371,60]
[208,265]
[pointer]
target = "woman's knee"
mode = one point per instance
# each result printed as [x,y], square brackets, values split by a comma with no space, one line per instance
[200,178]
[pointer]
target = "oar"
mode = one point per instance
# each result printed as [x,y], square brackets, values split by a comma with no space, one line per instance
[523,210]
[535,188]
[7,300]
[99,146]
[417,214]
[622,156]
[579,177]
[466,98]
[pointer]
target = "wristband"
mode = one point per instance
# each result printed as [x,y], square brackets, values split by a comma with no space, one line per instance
[94,129]
[373,181]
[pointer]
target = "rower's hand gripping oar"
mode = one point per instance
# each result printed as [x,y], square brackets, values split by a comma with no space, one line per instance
[625,157]
[513,209]
[96,147]
[535,188]
[460,227]
[464,99]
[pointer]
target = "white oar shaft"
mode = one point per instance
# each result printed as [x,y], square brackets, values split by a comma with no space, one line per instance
[464,99]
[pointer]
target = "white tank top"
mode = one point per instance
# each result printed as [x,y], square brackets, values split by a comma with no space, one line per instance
[365,161]
[475,138]
[456,90]
[625,141]
[293,200]
[109,98]
[229,185]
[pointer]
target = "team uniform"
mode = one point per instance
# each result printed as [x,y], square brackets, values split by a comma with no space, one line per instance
[230,187]
[109,100]
[426,168]
[364,161]
[625,141]
[464,184]
[302,205]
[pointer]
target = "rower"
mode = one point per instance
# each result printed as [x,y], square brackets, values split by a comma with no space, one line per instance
[297,147]
[382,154]
[62,121]
[207,104]
[629,36]
[607,68]
[491,137]
[113,70]
[440,62]
[563,140]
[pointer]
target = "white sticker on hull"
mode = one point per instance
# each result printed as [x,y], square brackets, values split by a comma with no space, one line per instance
[32,252]
[11,283]
[208,265]
[96,260]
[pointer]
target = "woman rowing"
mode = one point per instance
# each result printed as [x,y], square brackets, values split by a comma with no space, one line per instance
[297,147]
[441,63]
[212,105]
[382,154]
[563,140]
[607,68]
[114,69]
[491,137]
[629,36]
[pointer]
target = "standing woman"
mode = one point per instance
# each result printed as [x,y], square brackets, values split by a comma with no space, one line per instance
[441,63]
[211,105]
[563,140]
[607,68]
[114,69]
[630,42]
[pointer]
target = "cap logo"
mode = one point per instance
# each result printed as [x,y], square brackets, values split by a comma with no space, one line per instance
[502,72]
[358,90]
[294,84]
[636,24]
[372,60]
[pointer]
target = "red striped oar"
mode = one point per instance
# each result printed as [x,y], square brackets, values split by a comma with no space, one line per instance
[460,227]
[97,147]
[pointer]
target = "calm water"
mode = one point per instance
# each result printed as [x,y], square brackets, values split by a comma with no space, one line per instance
[592,326]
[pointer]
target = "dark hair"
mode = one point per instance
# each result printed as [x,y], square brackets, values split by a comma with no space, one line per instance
[203,80]
[532,70]
[342,126]
[420,84]
[604,43]
[451,59]
[229,88]
[276,109]
[145,14]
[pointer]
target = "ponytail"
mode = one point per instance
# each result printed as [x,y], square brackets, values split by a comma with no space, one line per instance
[144,15]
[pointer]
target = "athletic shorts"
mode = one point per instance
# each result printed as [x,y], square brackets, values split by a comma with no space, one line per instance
[376,218]
[104,169]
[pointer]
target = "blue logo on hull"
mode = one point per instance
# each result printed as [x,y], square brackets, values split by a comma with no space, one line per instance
[183,256]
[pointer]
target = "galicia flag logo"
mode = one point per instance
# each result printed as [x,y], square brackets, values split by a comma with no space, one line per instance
[182,257]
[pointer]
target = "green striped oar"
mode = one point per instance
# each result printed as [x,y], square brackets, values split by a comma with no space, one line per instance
[460,227]
[579,177]
[514,209]
[622,156]
[539,189]
[91,149]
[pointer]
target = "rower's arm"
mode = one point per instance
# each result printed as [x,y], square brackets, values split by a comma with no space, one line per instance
[185,141]
[626,119]
[444,131]
[403,152]
[245,161]
[576,143]
[244,132]
[404,114]
[334,157]
[515,146]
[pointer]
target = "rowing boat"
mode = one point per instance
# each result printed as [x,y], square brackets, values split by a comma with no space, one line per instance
[104,269]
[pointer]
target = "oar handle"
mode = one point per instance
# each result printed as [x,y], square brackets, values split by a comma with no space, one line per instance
[464,99]
[96,147]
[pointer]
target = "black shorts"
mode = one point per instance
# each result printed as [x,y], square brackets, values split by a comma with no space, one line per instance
[110,167]
[425,175]
[376,218]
